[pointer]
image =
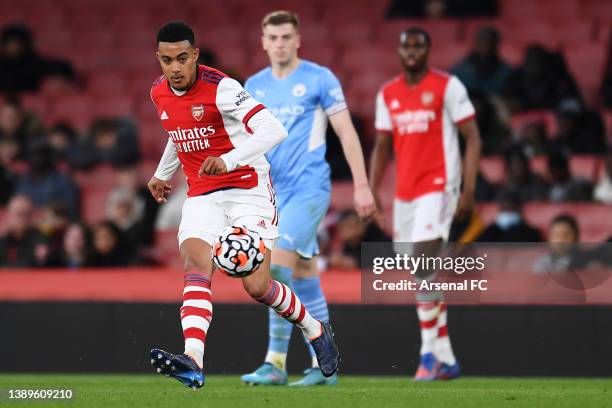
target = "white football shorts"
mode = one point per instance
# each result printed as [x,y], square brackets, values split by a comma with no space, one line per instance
[425,218]
[205,216]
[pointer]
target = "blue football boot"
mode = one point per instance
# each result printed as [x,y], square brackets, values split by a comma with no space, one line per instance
[428,368]
[178,366]
[267,374]
[448,372]
[314,376]
[326,351]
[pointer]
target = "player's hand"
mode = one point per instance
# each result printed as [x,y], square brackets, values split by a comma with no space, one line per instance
[364,202]
[212,166]
[466,205]
[159,189]
[379,214]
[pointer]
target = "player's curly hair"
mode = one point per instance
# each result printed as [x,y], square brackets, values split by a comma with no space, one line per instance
[175,31]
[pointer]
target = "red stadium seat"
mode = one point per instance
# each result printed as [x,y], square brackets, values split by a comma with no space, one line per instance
[519,120]
[107,83]
[351,35]
[166,248]
[34,103]
[114,106]
[493,169]
[607,116]
[586,62]
[585,166]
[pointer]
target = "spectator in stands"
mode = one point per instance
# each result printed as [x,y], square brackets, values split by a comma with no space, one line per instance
[541,82]
[529,185]
[496,135]
[483,70]
[351,232]
[563,235]
[21,67]
[564,187]
[485,191]
[18,128]
[603,189]
[532,139]
[580,130]
[509,224]
[131,206]
[21,245]
[110,141]
[171,211]
[76,248]
[109,247]
[63,138]
[53,224]
[44,184]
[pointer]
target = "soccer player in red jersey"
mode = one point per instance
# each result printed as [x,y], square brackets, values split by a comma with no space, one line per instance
[418,115]
[219,134]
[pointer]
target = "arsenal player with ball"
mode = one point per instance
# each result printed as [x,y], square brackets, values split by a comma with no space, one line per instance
[219,134]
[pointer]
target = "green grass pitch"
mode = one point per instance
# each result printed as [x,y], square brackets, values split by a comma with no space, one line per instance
[352,392]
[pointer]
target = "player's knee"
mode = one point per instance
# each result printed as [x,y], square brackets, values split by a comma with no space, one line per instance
[257,289]
[197,263]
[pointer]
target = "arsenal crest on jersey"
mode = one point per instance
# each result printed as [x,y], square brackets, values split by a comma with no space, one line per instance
[197,111]
[427,98]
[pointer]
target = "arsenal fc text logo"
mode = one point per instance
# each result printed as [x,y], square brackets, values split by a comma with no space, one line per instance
[197,111]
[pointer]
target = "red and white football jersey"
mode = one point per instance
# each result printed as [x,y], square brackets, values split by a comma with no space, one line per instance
[423,119]
[211,118]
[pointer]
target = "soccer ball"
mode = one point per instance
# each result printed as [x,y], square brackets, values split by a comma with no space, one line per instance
[238,251]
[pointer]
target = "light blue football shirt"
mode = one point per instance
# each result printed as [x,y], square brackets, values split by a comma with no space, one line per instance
[302,102]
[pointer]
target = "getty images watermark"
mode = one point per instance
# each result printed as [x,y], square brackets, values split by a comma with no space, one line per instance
[488,273]
[425,269]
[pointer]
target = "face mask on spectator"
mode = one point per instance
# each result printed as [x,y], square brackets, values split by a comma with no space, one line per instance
[507,219]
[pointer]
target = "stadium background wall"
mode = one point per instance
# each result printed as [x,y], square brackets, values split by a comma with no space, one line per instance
[489,340]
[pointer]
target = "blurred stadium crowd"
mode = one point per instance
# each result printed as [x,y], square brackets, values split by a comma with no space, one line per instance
[79,136]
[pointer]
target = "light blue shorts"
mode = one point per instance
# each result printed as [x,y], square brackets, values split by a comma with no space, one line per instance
[300,214]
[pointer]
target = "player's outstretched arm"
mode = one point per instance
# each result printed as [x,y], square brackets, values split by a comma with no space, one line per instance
[168,164]
[343,126]
[470,133]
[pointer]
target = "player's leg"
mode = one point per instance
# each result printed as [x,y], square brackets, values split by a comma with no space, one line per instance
[403,225]
[307,284]
[288,305]
[433,215]
[279,330]
[274,371]
[196,234]
[256,210]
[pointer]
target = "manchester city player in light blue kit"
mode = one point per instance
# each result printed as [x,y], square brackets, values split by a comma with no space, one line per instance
[303,95]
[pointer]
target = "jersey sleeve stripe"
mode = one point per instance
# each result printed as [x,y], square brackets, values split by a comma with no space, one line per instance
[249,115]
[466,119]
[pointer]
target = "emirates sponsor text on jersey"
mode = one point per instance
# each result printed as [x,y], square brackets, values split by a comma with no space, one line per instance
[413,121]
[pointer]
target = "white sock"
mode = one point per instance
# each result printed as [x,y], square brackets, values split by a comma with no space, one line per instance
[277,359]
[428,318]
[443,349]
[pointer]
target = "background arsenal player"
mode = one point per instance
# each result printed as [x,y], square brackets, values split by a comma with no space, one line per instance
[418,115]
[219,134]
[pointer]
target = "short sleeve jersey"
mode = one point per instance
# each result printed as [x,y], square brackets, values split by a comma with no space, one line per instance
[423,119]
[211,118]
[302,101]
